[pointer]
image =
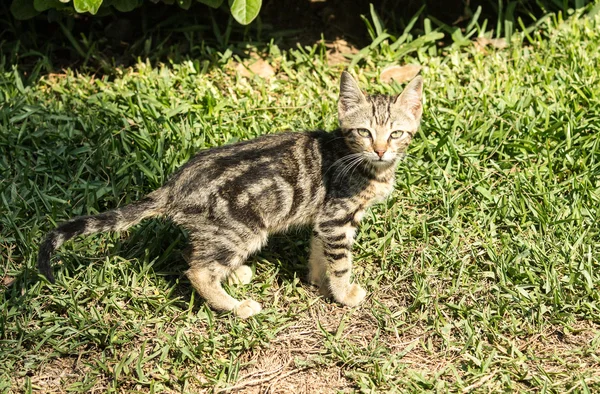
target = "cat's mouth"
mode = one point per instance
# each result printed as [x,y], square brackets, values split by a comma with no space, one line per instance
[386,160]
[381,162]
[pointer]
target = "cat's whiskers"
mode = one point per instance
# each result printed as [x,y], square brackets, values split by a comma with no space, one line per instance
[352,165]
[364,159]
[341,161]
[341,171]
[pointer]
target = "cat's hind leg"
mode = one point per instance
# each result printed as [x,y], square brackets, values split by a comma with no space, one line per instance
[242,275]
[207,278]
[212,260]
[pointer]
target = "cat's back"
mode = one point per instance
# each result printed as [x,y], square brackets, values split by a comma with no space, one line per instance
[285,165]
[265,153]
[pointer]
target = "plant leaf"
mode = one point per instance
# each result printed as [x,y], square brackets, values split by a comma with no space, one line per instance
[23,9]
[400,74]
[43,5]
[90,6]
[244,11]
[376,21]
[125,5]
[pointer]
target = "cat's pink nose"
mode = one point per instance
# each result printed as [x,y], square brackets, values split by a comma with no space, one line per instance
[380,153]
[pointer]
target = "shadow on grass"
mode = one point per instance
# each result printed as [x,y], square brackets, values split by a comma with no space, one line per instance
[165,244]
[159,33]
[160,246]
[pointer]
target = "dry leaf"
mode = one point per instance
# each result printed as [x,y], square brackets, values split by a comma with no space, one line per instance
[400,74]
[259,67]
[336,51]
[482,42]
[242,70]
[262,69]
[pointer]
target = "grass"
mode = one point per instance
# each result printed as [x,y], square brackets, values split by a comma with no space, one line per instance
[482,267]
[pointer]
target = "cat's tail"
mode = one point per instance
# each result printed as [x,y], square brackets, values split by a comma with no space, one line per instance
[115,220]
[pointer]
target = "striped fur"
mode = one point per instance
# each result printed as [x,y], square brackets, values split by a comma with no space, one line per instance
[231,198]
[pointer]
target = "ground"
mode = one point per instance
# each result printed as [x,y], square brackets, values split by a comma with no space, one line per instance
[482,267]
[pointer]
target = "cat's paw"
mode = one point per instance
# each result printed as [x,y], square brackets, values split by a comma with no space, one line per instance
[247,308]
[354,295]
[241,275]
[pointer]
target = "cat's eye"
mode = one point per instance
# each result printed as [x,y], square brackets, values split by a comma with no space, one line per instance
[364,133]
[397,134]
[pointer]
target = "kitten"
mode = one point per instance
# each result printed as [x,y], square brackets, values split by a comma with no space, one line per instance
[231,198]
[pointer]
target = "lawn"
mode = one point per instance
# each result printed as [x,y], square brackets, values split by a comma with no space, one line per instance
[482,268]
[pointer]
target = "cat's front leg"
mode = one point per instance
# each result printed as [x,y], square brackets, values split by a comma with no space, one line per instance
[334,239]
[317,265]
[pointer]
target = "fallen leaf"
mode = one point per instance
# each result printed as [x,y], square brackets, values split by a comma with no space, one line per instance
[400,74]
[262,69]
[259,67]
[482,42]
[336,51]
[242,70]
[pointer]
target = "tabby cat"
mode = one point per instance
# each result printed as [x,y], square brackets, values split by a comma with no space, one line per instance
[231,198]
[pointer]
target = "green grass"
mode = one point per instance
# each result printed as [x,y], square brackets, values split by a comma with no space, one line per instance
[482,267]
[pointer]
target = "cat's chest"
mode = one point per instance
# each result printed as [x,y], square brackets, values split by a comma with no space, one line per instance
[376,191]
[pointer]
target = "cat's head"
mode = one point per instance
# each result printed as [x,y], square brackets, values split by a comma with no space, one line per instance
[379,127]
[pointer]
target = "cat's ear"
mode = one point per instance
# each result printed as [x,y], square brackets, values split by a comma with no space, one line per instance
[350,95]
[410,99]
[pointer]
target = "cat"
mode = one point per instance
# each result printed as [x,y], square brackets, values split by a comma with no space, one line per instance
[230,198]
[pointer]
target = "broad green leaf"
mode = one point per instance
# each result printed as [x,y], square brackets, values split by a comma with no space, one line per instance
[43,5]
[125,5]
[244,11]
[211,3]
[23,9]
[90,6]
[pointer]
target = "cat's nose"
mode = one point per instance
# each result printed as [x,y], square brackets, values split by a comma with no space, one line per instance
[380,153]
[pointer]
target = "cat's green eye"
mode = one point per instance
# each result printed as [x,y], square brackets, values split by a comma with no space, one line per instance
[364,133]
[397,134]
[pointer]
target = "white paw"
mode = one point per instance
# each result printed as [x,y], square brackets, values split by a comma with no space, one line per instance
[247,308]
[241,275]
[354,295]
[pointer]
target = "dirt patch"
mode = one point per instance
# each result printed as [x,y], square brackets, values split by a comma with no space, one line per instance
[298,359]
[57,375]
[293,362]
[277,374]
